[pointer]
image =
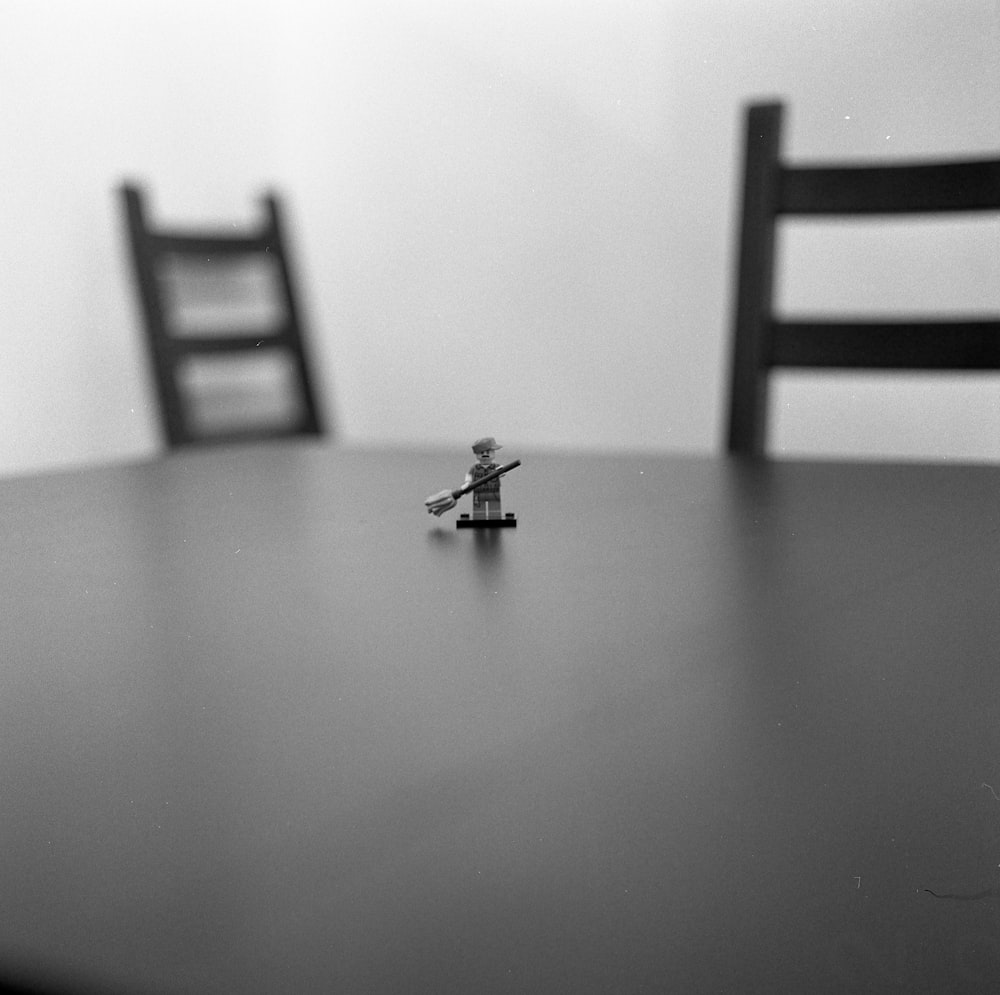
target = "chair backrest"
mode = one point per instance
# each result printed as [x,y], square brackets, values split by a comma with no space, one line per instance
[176,346]
[772,189]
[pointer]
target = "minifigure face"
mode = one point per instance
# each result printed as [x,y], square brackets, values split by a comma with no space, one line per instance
[485,457]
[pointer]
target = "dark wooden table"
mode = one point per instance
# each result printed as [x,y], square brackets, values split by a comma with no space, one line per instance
[692,726]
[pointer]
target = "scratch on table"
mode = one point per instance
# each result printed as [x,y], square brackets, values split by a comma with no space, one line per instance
[991,791]
[989,893]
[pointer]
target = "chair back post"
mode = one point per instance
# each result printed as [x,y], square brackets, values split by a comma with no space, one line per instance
[155,323]
[748,395]
[312,422]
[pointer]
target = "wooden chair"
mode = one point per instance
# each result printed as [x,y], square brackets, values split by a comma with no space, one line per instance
[773,189]
[179,351]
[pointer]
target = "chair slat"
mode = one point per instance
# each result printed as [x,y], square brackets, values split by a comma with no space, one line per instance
[223,342]
[904,345]
[205,244]
[893,189]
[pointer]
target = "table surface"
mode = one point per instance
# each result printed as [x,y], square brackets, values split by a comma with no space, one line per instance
[694,725]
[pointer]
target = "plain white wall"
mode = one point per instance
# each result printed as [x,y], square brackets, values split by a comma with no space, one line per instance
[511,217]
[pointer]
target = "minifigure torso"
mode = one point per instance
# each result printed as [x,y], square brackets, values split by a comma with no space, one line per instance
[488,492]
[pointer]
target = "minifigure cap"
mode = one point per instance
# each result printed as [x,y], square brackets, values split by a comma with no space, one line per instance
[481,445]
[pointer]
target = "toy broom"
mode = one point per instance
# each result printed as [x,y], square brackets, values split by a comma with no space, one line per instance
[438,504]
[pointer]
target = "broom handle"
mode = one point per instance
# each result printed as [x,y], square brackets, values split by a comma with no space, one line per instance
[482,480]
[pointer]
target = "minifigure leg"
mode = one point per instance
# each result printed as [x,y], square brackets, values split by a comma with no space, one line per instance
[486,506]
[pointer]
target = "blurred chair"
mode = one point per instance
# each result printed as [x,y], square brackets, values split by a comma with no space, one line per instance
[773,189]
[223,328]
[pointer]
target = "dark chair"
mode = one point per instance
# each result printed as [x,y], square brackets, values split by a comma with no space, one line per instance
[188,354]
[773,189]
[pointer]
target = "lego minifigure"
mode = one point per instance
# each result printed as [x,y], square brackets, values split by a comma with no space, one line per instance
[486,497]
[483,479]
